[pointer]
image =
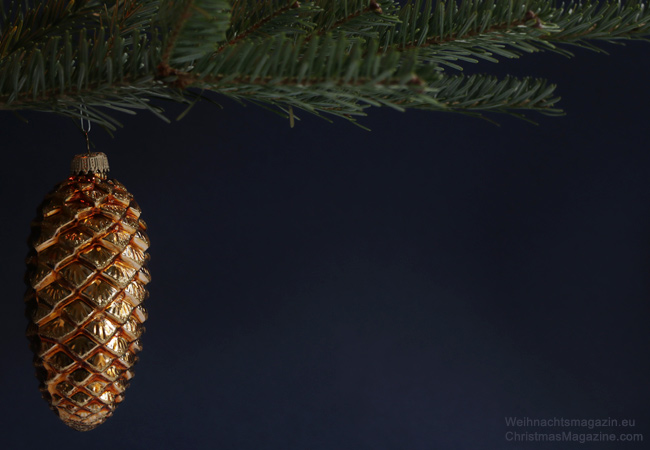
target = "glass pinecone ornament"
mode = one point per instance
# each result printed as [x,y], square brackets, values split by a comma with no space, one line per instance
[86,280]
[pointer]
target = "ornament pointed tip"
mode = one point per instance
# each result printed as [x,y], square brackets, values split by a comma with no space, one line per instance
[82,427]
[89,163]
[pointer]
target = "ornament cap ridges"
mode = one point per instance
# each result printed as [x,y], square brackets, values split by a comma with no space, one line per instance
[87,163]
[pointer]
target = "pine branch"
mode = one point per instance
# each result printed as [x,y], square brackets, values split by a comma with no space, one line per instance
[478,29]
[360,18]
[24,28]
[191,29]
[130,15]
[99,77]
[467,95]
[483,93]
[321,77]
[327,57]
[261,19]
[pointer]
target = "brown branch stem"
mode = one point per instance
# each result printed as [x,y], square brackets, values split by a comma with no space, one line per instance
[183,16]
[493,29]
[372,7]
[257,25]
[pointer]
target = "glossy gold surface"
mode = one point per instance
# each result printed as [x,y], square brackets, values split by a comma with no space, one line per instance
[86,284]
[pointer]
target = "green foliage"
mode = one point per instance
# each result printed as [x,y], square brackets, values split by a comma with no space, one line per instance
[358,18]
[491,29]
[24,28]
[252,19]
[190,29]
[326,57]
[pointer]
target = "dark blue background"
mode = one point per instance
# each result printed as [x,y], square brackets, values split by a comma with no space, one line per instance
[324,287]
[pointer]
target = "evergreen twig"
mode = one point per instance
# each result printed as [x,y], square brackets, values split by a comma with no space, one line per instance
[326,57]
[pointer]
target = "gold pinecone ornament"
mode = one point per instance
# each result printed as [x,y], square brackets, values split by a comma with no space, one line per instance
[86,280]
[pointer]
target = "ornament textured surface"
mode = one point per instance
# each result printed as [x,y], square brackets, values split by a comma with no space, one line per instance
[86,278]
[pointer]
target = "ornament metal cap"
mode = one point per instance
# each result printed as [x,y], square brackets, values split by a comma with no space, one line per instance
[96,162]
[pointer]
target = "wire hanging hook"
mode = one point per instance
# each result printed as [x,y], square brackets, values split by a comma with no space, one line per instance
[84,111]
